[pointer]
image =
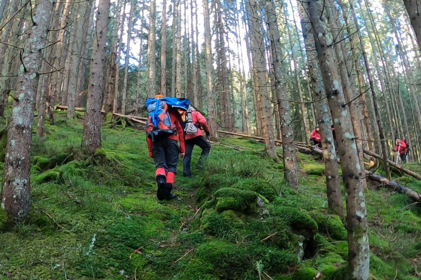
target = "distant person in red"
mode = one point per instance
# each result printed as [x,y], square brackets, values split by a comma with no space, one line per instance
[315,138]
[402,148]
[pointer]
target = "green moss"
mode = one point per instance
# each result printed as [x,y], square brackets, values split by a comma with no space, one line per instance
[235,199]
[314,169]
[48,176]
[330,225]
[3,143]
[305,273]
[201,194]
[298,220]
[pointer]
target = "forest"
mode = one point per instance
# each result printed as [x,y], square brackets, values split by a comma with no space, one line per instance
[272,200]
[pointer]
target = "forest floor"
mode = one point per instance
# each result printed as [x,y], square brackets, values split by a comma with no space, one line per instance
[98,217]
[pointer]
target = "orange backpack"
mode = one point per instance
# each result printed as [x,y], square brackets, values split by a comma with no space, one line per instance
[159,121]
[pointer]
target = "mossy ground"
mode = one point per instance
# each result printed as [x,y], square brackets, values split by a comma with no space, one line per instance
[98,217]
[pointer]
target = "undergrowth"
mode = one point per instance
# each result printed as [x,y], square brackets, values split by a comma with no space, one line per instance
[98,217]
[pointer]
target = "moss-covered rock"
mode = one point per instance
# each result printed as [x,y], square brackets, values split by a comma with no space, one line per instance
[314,169]
[48,176]
[304,273]
[330,224]
[300,221]
[235,199]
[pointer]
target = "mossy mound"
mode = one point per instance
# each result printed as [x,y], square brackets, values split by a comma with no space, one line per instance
[313,169]
[41,163]
[233,199]
[330,225]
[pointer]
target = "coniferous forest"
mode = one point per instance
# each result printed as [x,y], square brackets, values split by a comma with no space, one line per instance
[313,115]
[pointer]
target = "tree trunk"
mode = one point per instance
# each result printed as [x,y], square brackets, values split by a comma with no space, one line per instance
[164,49]
[45,79]
[213,127]
[117,62]
[298,80]
[59,60]
[186,52]
[413,8]
[127,58]
[4,37]
[373,94]
[151,51]
[334,196]
[91,140]
[75,57]
[360,80]
[260,73]
[174,48]
[178,65]
[139,71]
[352,173]
[16,191]
[193,48]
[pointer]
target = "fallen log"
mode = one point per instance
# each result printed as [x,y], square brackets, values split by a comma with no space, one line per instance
[136,120]
[77,109]
[394,186]
[391,163]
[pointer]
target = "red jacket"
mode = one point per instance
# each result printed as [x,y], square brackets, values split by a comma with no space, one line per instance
[179,137]
[401,147]
[200,121]
[316,136]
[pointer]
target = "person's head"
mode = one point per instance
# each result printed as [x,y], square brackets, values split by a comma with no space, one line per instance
[317,128]
[397,140]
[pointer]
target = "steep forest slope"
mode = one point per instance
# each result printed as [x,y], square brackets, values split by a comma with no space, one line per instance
[98,217]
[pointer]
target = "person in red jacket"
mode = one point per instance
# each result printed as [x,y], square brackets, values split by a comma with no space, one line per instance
[315,138]
[402,148]
[195,139]
[165,150]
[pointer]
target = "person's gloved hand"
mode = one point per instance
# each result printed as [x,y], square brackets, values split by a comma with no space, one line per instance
[207,136]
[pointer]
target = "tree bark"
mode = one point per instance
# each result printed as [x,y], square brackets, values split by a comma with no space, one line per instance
[261,81]
[413,7]
[353,174]
[151,51]
[91,140]
[213,127]
[127,58]
[178,65]
[334,196]
[139,71]
[164,49]
[373,93]
[174,48]
[16,191]
[117,62]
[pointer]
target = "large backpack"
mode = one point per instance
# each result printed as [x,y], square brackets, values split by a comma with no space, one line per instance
[159,122]
[190,128]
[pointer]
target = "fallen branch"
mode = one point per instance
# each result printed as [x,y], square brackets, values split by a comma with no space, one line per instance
[183,256]
[400,168]
[394,186]
[266,238]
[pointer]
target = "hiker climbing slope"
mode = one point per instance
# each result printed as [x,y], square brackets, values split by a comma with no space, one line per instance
[401,148]
[163,130]
[192,122]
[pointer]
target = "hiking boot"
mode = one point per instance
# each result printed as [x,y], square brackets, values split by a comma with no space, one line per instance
[168,195]
[187,175]
[160,179]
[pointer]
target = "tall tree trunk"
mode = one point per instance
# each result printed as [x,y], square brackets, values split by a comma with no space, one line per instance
[151,51]
[373,94]
[406,65]
[298,80]
[117,69]
[112,66]
[164,49]
[288,147]
[348,89]
[127,58]
[260,72]
[199,67]
[139,70]
[178,65]
[174,48]
[360,80]
[4,37]
[413,8]
[213,127]
[193,52]
[16,191]
[59,60]
[354,179]
[186,52]
[334,195]
[45,79]
[75,57]
[91,140]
